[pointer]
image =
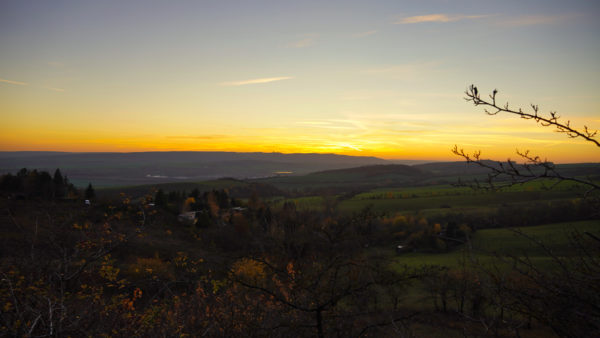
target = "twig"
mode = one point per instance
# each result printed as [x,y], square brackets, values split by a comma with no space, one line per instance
[587,134]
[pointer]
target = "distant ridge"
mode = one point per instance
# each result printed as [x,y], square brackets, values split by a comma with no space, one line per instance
[133,168]
[352,179]
[398,175]
[204,156]
[139,168]
[375,170]
[464,168]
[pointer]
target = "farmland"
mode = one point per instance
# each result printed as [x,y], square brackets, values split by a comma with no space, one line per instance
[490,242]
[391,239]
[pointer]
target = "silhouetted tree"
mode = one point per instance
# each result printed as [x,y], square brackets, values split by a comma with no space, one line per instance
[324,284]
[160,199]
[563,294]
[195,193]
[89,192]
[58,178]
[60,189]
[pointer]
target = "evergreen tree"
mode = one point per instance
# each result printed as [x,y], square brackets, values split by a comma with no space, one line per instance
[89,192]
[160,199]
[43,185]
[195,193]
[58,178]
[59,184]
[22,173]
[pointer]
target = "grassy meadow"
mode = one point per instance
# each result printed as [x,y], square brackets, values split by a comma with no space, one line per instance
[438,199]
[490,242]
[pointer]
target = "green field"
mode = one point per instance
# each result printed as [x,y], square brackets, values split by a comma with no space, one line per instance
[486,243]
[439,199]
[449,201]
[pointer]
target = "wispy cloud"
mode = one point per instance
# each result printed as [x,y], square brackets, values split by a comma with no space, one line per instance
[304,41]
[256,81]
[301,43]
[17,83]
[356,123]
[363,34]
[530,20]
[197,137]
[325,125]
[335,124]
[437,18]
[344,145]
[316,123]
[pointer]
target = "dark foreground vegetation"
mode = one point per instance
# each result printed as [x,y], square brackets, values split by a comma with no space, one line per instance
[210,262]
[306,256]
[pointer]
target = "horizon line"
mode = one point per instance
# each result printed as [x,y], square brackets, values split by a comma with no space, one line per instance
[260,152]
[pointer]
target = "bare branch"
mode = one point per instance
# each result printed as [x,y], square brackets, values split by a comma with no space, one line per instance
[509,173]
[587,134]
[505,174]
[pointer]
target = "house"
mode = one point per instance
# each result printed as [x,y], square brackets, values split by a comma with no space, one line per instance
[187,217]
[400,249]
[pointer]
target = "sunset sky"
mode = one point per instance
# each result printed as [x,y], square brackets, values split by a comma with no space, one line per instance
[372,78]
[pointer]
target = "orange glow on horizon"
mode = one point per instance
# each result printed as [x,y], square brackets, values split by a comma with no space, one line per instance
[433,152]
[210,78]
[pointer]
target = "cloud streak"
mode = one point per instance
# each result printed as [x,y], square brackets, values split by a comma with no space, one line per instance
[363,34]
[256,81]
[344,145]
[443,18]
[197,137]
[306,40]
[334,124]
[17,83]
[530,20]
[301,43]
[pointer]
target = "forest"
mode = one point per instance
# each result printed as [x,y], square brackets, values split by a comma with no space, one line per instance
[300,168]
[408,261]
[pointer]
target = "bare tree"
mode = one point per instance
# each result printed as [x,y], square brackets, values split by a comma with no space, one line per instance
[533,168]
[562,293]
[323,283]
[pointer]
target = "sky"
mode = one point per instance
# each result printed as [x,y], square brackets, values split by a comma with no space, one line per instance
[368,78]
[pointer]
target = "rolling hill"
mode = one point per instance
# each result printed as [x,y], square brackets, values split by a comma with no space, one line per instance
[125,169]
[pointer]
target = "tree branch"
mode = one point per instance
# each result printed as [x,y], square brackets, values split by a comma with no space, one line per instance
[587,134]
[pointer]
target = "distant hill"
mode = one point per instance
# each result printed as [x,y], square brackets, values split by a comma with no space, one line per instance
[468,169]
[235,188]
[350,179]
[454,168]
[397,175]
[369,172]
[119,169]
[285,171]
